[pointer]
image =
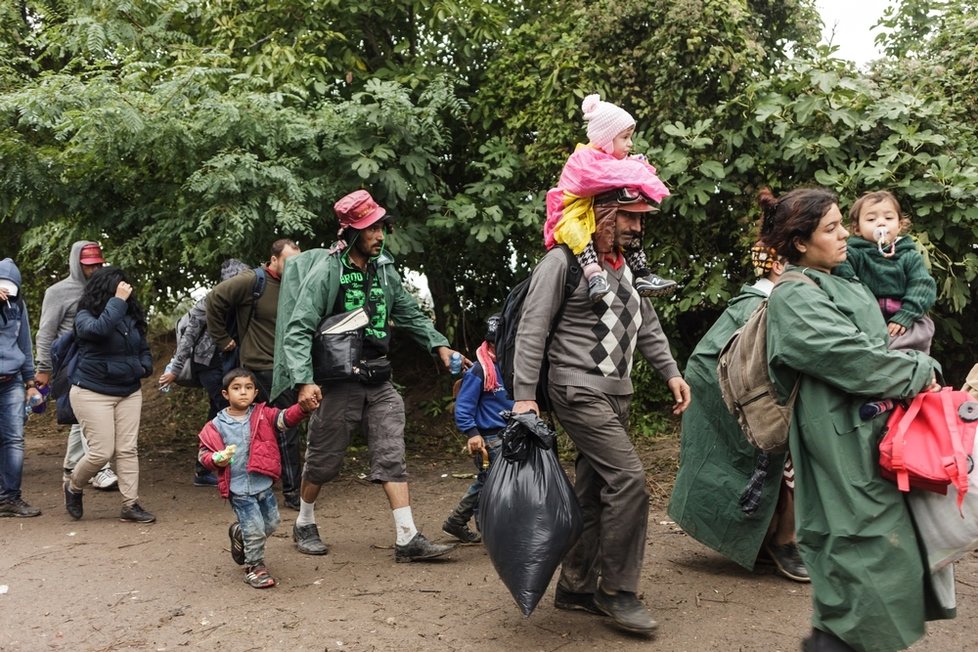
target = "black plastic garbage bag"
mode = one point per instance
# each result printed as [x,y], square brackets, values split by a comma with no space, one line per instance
[529,516]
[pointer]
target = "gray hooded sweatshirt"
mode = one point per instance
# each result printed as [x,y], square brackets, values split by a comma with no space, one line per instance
[59,306]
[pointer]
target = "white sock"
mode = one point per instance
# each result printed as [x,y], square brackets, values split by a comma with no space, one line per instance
[404,525]
[307,513]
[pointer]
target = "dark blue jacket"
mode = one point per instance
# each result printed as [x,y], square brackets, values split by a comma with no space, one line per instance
[112,354]
[477,411]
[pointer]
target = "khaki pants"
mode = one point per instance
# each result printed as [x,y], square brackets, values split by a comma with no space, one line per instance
[111,426]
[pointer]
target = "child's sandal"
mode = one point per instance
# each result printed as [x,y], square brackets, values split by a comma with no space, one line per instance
[257,577]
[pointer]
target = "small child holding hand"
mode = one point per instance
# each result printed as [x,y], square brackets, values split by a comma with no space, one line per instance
[241,445]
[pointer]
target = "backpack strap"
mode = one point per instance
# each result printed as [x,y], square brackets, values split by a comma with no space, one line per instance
[572,278]
[900,441]
[957,467]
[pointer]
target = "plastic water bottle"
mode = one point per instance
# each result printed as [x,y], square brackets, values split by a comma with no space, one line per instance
[455,365]
[34,401]
[166,388]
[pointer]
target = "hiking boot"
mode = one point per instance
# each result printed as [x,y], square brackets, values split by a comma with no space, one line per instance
[237,544]
[788,561]
[205,479]
[570,601]
[18,507]
[626,611]
[654,286]
[136,514]
[307,540]
[420,549]
[73,501]
[291,500]
[460,531]
[597,287]
[105,480]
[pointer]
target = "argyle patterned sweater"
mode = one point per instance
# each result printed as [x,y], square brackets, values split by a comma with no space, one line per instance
[594,343]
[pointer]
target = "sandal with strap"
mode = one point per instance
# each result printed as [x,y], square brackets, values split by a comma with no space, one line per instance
[257,577]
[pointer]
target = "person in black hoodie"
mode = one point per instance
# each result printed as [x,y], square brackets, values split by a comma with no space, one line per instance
[113,355]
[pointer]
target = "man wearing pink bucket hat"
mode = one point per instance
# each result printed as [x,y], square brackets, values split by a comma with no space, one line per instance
[353,282]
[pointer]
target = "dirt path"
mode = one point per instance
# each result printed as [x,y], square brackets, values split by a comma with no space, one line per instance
[100,584]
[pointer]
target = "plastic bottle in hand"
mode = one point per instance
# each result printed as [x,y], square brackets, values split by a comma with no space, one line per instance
[166,388]
[455,365]
[34,401]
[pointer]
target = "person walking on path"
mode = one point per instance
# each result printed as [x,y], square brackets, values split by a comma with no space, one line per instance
[17,387]
[106,395]
[57,318]
[870,578]
[590,389]
[255,319]
[354,274]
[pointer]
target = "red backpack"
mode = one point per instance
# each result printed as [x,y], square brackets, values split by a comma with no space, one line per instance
[928,444]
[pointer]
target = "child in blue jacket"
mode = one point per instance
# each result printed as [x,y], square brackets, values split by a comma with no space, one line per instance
[478,407]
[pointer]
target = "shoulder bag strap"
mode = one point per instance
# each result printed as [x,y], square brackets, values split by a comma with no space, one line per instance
[957,467]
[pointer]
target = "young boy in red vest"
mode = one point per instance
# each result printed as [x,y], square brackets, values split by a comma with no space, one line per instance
[241,445]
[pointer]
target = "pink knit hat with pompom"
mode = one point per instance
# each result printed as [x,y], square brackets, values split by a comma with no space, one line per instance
[604,121]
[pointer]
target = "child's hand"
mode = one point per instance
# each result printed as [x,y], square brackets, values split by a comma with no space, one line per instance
[224,457]
[896,329]
[476,444]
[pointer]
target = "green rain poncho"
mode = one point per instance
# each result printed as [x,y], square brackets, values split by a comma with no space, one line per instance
[854,529]
[715,460]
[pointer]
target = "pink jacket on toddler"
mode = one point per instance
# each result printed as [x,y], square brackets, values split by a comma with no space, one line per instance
[589,172]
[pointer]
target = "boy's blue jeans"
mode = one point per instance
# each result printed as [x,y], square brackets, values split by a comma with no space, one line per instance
[469,505]
[12,420]
[258,517]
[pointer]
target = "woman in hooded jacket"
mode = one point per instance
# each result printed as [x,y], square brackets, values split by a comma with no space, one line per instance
[113,355]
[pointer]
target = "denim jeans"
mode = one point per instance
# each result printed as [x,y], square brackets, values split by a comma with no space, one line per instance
[258,518]
[493,445]
[12,419]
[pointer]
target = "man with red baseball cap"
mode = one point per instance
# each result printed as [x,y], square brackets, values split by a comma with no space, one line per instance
[57,318]
[355,276]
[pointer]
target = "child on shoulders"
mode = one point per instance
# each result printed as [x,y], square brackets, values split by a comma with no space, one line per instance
[603,164]
[240,444]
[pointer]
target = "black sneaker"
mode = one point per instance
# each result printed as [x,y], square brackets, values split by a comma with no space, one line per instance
[18,507]
[460,531]
[597,287]
[788,561]
[307,540]
[291,500]
[420,549]
[73,502]
[206,479]
[237,544]
[136,514]
[654,286]
[626,611]
[571,601]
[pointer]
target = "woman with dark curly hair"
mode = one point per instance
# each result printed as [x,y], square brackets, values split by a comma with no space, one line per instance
[870,580]
[113,355]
